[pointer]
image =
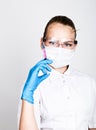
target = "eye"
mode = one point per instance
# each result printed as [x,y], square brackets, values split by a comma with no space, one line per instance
[52,42]
[67,44]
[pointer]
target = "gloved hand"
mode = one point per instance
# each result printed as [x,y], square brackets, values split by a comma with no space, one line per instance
[34,79]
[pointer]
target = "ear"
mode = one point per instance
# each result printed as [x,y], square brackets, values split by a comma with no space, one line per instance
[41,41]
[76,44]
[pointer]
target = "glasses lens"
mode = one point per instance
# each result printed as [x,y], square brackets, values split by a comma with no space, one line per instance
[57,43]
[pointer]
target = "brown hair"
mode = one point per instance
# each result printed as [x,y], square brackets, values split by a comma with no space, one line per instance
[59,19]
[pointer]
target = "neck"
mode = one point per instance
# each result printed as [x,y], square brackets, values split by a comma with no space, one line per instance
[62,70]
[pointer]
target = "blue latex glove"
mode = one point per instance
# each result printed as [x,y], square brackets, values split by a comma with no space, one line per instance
[34,79]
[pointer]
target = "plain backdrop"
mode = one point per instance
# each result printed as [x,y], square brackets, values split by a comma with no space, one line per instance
[21,26]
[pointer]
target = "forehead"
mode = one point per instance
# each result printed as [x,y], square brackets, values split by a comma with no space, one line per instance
[60,31]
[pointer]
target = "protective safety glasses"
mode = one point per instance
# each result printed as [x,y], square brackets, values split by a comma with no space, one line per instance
[56,43]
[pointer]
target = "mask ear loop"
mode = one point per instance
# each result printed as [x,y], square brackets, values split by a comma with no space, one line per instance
[44,51]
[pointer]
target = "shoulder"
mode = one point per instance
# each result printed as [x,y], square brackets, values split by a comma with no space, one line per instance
[80,74]
[84,78]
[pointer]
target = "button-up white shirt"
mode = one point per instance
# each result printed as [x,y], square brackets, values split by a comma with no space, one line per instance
[66,101]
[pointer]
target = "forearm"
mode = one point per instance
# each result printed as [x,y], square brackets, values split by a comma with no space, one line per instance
[27,119]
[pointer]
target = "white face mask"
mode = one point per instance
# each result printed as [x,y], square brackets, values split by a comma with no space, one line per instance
[60,56]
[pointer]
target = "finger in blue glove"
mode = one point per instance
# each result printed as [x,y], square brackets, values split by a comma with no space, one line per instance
[34,79]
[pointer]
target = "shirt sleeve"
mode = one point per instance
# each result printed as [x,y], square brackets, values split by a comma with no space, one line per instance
[92,121]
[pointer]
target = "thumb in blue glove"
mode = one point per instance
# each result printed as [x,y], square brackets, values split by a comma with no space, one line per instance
[34,79]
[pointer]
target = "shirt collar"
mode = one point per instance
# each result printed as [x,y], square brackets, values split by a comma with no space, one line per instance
[66,73]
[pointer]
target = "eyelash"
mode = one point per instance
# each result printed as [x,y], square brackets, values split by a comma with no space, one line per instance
[66,43]
[52,42]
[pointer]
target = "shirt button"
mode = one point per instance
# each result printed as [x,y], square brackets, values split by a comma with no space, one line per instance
[63,81]
[68,97]
[62,76]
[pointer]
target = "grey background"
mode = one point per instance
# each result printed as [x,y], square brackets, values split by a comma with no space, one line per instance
[21,25]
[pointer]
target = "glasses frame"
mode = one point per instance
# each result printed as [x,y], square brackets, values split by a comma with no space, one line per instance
[58,43]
